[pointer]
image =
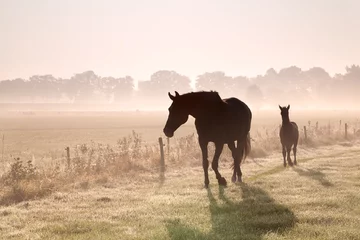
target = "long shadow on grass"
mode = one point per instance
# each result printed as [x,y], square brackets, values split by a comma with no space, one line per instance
[251,218]
[316,175]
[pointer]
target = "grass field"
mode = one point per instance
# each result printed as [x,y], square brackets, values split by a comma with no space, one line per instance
[319,199]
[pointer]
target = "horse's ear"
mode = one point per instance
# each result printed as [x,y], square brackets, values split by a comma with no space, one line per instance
[176,94]
[288,107]
[171,96]
[280,107]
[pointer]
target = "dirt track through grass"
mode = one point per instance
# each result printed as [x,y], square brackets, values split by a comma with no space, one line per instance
[319,199]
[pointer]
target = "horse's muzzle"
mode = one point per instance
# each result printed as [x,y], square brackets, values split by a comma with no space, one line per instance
[168,133]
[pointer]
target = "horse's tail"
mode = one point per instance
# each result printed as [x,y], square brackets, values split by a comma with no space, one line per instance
[246,151]
[247,148]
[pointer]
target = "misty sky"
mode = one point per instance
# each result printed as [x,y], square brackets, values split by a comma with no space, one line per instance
[137,38]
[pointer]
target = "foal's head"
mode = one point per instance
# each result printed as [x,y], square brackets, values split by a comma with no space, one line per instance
[285,112]
[178,114]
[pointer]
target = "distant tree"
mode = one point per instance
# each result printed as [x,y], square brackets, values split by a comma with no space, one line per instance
[239,86]
[270,78]
[165,81]
[352,74]
[154,92]
[318,74]
[107,85]
[14,91]
[254,96]
[290,78]
[82,86]
[215,81]
[320,85]
[272,85]
[348,85]
[291,73]
[271,73]
[123,89]
[44,88]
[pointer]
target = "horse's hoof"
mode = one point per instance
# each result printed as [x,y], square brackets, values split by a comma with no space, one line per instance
[222,181]
[233,179]
[291,164]
[295,163]
[206,185]
[284,164]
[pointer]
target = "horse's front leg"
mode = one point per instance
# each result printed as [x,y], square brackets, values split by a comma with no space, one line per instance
[203,146]
[215,163]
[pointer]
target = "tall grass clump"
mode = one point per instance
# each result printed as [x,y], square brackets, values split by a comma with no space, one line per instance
[89,163]
[23,182]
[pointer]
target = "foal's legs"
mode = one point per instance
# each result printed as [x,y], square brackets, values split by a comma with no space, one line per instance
[203,146]
[284,154]
[294,150]
[288,150]
[215,163]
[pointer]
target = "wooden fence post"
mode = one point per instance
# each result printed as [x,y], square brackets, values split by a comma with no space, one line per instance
[305,133]
[162,159]
[346,130]
[3,142]
[168,148]
[68,156]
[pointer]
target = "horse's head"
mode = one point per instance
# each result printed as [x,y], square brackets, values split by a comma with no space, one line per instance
[178,115]
[284,112]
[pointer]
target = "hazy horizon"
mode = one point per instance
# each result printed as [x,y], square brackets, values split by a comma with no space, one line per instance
[138,38]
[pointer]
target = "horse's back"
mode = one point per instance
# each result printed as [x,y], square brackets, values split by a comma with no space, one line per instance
[227,123]
[240,110]
[238,106]
[295,125]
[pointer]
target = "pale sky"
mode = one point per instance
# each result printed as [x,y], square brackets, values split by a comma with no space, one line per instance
[137,38]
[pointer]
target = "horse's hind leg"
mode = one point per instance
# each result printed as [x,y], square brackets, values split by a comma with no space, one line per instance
[235,157]
[284,154]
[240,153]
[204,151]
[215,163]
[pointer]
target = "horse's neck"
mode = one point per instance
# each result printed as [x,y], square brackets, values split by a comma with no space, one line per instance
[286,121]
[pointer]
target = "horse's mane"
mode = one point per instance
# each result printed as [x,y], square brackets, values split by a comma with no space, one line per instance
[205,95]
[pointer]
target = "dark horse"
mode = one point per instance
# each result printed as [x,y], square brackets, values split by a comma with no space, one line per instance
[221,121]
[289,135]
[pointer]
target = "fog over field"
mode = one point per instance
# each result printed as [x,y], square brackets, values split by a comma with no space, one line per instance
[312,89]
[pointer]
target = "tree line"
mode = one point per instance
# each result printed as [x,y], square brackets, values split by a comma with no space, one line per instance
[306,88]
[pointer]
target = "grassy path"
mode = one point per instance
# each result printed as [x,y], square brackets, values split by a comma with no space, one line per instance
[319,199]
